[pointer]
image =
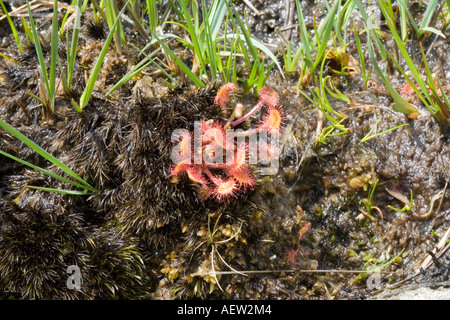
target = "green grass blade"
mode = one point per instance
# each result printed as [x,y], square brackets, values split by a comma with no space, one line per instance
[44,171]
[210,44]
[263,75]
[313,102]
[342,21]
[400,104]
[40,55]
[323,94]
[99,9]
[403,19]
[111,19]
[138,68]
[430,79]
[71,56]
[244,31]
[369,135]
[361,56]
[336,94]
[404,6]
[442,106]
[54,56]
[175,8]
[306,44]
[372,192]
[13,28]
[388,130]
[66,16]
[325,34]
[231,72]
[193,32]
[433,30]
[257,44]
[76,106]
[180,63]
[362,275]
[269,53]
[44,153]
[37,98]
[366,137]
[418,92]
[27,29]
[349,8]
[134,71]
[370,25]
[216,16]
[138,22]
[161,37]
[152,15]
[411,65]
[83,8]
[85,97]
[68,192]
[427,16]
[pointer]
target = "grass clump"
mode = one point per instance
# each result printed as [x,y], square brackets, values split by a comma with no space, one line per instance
[420,79]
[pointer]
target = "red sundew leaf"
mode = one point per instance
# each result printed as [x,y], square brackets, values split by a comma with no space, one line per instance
[267,152]
[213,154]
[215,134]
[240,157]
[183,151]
[268,96]
[406,89]
[179,169]
[224,94]
[292,256]
[196,175]
[186,146]
[306,227]
[207,125]
[225,188]
[273,120]
[244,177]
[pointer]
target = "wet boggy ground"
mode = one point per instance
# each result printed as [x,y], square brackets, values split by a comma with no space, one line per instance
[145,237]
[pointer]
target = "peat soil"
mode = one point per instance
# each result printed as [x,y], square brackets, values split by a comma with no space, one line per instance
[145,237]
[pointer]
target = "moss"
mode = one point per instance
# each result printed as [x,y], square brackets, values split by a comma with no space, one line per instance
[38,245]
